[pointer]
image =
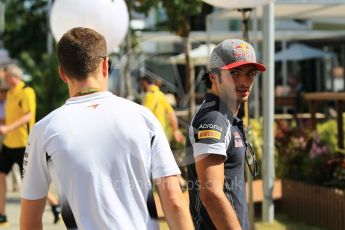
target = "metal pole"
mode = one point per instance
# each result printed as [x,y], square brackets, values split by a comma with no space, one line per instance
[256,83]
[2,21]
[284,71]
[251,215]
[268,105]
[2,17]
[49,35]
[208,32]
[342,63]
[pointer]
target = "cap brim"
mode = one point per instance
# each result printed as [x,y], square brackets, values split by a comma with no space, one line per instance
[233,65]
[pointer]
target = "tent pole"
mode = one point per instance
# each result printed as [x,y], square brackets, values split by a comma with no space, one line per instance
[256,83]
[284,71]
[268,103]
[251,215]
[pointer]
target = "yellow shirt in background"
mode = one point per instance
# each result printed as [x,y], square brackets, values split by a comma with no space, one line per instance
[156,101]
[19,101]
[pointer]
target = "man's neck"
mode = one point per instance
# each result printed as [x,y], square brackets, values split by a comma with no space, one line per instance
[90,85]
[233,107]
[14,84]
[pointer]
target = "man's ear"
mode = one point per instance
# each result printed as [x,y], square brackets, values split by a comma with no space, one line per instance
[212,76]
[62,74]
[105,67]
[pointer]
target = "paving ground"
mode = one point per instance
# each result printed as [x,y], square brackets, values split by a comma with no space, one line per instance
[13,212]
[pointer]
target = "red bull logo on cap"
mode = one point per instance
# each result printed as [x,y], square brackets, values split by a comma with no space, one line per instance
[243,51]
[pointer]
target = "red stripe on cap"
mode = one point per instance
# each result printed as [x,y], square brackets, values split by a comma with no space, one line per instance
[233,65]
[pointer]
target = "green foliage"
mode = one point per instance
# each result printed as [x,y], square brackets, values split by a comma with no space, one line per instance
[178,12]
[142,6]
[256,137]
[179,152]
[328,134]
[26,27]
[25,37]
[303,154]
[51,91]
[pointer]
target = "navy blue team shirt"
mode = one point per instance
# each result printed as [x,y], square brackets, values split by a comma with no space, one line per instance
[214,130]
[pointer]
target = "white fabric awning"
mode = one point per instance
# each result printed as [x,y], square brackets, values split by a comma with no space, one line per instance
[294,9]
[198,56]
[298,52]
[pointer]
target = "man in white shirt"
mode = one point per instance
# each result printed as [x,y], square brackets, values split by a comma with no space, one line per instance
[99,150]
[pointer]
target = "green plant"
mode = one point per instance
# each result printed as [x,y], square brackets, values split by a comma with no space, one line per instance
[328,133]
[308,155]
[256,138]
[179,152]
[50,90]
[303,154]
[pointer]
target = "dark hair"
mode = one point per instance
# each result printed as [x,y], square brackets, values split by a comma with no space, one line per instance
[80,51]
[148,79]
[206,77]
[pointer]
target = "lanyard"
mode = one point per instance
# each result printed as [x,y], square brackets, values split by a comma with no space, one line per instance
[86,91]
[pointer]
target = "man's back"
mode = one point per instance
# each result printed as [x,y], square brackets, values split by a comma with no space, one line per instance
[101,155]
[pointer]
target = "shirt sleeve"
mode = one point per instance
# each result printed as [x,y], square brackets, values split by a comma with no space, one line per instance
[36,178]
[168,108]
[28,102]
[210,134]
[162,160]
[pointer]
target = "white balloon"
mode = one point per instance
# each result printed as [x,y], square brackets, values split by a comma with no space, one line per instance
[109,18]
[114,23]
[237,4]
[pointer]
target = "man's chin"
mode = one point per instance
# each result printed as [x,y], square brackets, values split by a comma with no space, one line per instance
[243,99]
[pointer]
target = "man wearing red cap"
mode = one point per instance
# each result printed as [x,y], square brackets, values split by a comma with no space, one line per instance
[216,146]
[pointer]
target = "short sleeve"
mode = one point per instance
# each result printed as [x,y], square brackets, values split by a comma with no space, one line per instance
[28,101]
[162,160]
[36,178]
[166,104]
[210,134]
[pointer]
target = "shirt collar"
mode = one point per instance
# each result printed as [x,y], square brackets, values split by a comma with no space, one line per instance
[19,86]
[222,107]
[88,97]
[153,87]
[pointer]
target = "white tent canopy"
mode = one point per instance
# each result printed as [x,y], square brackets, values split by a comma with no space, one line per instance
[298,52]
[237,4]
[295,9]
[198,56]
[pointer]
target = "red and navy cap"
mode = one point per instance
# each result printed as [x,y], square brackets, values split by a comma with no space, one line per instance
[232,53]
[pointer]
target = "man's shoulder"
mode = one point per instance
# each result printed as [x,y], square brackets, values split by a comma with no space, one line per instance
[27,90]
[134,108]
[125,103]
[208,115]
[44,122]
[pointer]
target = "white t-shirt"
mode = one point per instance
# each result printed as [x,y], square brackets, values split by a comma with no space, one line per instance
[100,151]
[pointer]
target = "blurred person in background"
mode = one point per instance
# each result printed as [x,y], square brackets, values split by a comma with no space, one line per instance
[156,101]
[20,111]
[20,108]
